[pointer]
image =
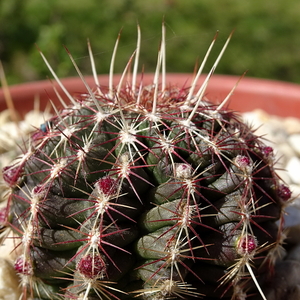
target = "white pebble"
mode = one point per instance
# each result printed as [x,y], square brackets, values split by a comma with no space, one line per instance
[283,152]
[9,281]
[256,119]
[284,175]
[294,141]
[293,168]
[295,188]
[291,125]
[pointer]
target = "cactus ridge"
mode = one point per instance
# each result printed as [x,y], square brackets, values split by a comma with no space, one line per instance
[146,192]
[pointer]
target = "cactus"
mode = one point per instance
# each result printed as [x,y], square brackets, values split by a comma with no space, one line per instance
[145,192]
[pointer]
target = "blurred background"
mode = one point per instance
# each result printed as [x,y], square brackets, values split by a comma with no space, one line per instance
[266,41]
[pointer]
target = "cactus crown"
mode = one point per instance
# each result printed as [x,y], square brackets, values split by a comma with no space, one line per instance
[147,192]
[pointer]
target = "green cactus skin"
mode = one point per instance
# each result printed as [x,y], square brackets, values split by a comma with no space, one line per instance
[145,192]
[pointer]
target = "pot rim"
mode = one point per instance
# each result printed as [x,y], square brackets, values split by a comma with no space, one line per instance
[275,97]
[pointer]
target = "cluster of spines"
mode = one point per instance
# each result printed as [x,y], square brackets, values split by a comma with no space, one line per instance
[175,243]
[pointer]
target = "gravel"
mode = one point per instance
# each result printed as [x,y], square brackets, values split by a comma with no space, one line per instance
[283,135]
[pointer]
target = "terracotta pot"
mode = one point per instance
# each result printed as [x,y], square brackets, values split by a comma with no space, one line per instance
[277,98]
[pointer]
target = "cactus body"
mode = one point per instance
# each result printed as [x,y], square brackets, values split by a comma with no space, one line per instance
[145,192]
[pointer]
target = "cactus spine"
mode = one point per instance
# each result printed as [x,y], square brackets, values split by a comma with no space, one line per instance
[146,192]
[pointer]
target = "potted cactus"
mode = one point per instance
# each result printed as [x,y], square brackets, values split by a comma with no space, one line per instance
[145,190]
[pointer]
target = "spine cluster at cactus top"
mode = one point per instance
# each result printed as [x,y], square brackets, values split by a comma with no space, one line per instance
[145,192]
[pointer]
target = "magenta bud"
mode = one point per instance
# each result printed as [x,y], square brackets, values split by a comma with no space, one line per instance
[284,192]
[12,174]
[39,191]
[247,244]
[242,161]
[22,266]
[183,170]
[107,186]
[91,266]
[267,151]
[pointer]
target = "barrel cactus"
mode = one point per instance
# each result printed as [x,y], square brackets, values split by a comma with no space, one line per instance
[145,192]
